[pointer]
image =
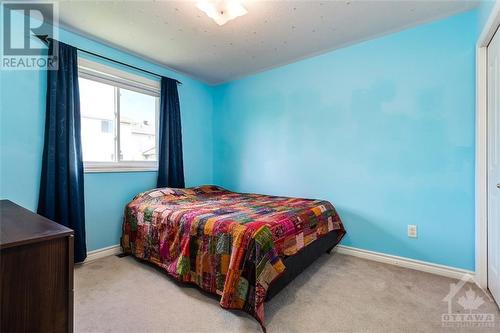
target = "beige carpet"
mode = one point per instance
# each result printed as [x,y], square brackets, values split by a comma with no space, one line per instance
[337,293]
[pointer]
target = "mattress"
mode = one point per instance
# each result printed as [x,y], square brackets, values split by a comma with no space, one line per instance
[230,244]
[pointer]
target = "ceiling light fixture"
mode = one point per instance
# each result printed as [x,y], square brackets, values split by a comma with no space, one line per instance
[222,11]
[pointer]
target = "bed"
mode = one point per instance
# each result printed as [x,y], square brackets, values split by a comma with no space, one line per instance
[243,247]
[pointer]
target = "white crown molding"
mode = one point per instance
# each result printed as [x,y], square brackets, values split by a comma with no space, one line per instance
[451,272]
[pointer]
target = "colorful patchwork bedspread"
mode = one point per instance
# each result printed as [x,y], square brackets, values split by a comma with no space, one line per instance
[227,243]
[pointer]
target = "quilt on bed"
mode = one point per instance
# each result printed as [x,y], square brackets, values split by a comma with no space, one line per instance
[227,243]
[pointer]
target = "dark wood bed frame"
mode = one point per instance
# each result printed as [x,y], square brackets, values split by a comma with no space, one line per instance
[296,264]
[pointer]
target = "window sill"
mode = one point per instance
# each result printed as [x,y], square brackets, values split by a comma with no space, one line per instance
[119,168]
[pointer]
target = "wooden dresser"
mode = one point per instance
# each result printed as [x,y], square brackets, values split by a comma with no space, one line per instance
[36,276]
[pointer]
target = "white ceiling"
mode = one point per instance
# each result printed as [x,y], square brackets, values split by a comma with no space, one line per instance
[178,35]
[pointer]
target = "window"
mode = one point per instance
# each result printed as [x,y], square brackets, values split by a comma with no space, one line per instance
[119,116]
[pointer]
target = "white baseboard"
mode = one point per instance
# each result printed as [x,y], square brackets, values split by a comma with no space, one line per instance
[104,252]
[451,272]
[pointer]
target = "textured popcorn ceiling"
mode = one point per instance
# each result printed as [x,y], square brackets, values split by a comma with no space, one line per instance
[273,33]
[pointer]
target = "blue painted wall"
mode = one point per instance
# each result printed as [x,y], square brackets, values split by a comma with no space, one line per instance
[383,129]
[21,142]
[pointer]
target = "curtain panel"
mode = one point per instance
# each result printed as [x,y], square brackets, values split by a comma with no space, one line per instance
[170,162]
[61,196]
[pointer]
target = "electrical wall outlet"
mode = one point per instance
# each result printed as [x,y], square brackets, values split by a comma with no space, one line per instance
[412,231]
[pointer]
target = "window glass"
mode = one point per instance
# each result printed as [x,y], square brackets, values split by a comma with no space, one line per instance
[97,108]
[137,126]
[119,113]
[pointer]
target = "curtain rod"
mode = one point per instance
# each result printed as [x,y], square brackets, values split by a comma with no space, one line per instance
[45,39]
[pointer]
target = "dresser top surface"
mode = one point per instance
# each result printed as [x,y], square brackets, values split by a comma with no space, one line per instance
[19,226]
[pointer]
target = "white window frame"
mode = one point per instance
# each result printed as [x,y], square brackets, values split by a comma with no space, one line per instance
[91,70]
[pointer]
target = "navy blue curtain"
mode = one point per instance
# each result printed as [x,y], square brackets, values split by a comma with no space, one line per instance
[170,165]
[61,185]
